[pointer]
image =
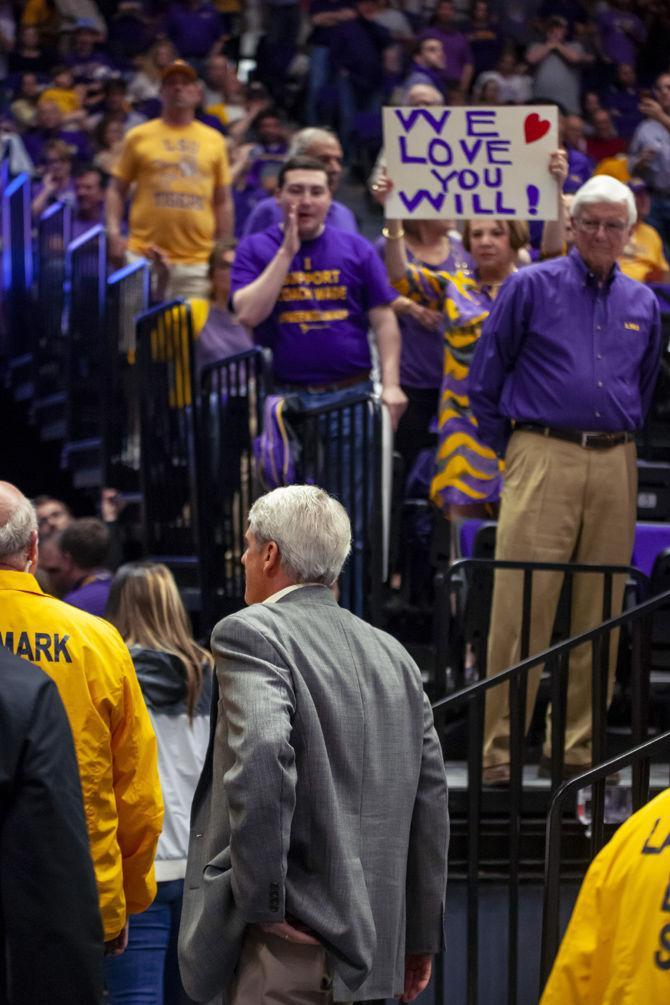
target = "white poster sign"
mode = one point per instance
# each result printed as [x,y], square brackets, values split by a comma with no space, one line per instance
[459,163]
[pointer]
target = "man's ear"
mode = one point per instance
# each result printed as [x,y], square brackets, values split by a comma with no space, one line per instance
[271,558]
[32,555]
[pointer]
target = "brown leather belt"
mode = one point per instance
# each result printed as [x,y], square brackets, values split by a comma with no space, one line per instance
[590,441]
[336,385]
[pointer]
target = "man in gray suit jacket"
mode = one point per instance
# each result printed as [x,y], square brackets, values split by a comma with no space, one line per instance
[318,856]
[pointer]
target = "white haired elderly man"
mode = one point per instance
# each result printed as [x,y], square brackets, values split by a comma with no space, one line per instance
[324,146]
[318,855]
[562,378]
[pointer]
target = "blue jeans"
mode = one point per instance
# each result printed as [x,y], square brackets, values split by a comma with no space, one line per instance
[352,103]
[659,217]
[148,972]
[319,75]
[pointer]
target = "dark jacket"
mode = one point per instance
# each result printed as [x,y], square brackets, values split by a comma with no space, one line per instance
[51,945]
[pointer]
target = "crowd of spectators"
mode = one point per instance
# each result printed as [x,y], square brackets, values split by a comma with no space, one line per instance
[267,67]
[283,99]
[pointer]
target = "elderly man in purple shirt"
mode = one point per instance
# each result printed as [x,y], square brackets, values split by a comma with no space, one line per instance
[324,146]
[562,377]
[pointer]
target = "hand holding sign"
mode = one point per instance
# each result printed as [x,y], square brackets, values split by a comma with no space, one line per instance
[460,163]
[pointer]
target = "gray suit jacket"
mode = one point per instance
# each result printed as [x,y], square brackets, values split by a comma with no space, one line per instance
[323,796]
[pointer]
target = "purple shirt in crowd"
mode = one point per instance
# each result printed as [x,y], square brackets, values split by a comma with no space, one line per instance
[77,140]
[620,33]
[318,329]
[267,212]
[92,596]
[194,32]
[222,336]
[456,49]
[321,35]
[591,368]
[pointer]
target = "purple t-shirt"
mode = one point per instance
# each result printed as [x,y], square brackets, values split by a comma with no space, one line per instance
[456,49]
[318,329]
[91,597]
[221,336]
[77,140]
[267,212]
[80,226]
[194,32]
[320,34]
[621,33]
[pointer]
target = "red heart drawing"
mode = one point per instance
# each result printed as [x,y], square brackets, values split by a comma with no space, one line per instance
[534,127]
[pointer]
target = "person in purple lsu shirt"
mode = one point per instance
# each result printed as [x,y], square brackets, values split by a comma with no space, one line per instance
[76,567]
[562,378]
[310,292]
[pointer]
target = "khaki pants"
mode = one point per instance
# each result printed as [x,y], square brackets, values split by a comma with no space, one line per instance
[560,503]
[185,280]
[274,970]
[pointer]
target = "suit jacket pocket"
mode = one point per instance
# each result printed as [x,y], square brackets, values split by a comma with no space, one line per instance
[211,932]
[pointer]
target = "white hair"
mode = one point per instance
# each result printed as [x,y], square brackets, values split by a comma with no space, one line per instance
[16,531]
[410,97]
[310,528]
[603,188]
[306,138]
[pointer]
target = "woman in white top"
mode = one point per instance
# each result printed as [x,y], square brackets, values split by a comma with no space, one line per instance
[175,675]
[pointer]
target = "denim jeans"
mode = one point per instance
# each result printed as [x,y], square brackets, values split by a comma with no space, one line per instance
[319,76]
[148,972]
[659,217]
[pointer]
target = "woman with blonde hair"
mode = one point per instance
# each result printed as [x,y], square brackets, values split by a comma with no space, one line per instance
[175,675]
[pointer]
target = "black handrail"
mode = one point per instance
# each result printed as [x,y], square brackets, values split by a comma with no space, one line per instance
[127,298]
[229,417]
[555,659]
[447,580]
[639,758]
[168,444]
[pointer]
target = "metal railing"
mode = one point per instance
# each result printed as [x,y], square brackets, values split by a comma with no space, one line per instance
[340,450]
[168,443]
[86,270]
[555,662]
[53,238]
[232,393]
[17,265]
[463,601]
[639,758]
[127,298]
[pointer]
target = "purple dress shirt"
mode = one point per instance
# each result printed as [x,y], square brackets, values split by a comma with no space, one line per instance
[267,212]
[562,351]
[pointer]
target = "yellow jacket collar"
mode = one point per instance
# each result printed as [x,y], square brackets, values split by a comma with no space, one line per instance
[11,579]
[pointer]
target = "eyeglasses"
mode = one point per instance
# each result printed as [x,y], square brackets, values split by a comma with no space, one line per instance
[611,227]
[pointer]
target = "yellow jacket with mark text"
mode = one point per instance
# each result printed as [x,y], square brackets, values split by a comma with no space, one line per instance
[114,740]
[616,950]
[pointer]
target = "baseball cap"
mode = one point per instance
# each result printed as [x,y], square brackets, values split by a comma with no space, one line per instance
[179,66]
